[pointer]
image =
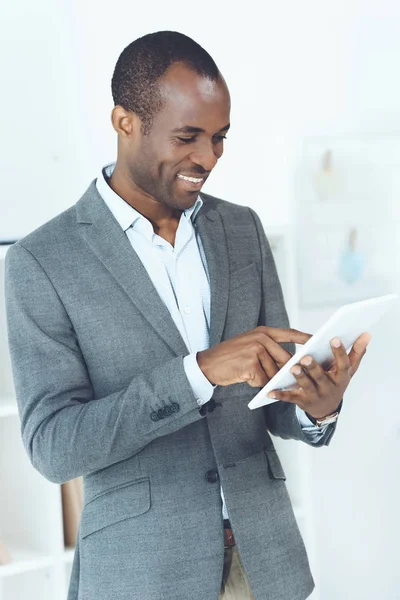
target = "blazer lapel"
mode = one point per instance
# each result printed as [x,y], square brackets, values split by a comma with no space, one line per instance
[213,238]
[110,244]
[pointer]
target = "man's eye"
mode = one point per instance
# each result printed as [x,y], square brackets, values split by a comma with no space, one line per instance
[186,140]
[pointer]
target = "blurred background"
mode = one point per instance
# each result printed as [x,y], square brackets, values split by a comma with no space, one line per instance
[314,148]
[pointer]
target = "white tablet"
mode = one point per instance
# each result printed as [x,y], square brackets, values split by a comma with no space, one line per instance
[347,323]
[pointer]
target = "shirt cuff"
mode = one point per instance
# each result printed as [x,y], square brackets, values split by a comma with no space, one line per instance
[310,430]
[202,388]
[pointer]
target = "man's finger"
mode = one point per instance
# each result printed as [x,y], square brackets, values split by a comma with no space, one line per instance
[268,364]
[275,350]
[285,335]
[304,379]
[317,375]
[279,354]
[294,396]
[358,350]
[342,361]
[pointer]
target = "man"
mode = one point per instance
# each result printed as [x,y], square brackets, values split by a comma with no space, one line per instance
[141,322]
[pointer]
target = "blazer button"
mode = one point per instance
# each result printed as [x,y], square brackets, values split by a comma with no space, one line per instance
[175,407]
[154,416]
[212,476]
[203,410]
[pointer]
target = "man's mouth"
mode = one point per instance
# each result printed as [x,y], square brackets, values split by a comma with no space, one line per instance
[190,183]
[192,179]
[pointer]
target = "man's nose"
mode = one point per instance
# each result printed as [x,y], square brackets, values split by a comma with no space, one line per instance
[205,156]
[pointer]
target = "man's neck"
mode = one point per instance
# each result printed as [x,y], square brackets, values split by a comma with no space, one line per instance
[164,219]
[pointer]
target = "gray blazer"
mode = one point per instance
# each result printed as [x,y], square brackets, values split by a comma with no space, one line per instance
[102,392]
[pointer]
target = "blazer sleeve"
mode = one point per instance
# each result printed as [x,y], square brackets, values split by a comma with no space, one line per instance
[281,418]
[66,431]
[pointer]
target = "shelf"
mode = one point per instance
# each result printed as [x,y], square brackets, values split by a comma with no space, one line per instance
[68,556]
[40,584]
[3,250]
[24,561]
[8,407]
[299,513]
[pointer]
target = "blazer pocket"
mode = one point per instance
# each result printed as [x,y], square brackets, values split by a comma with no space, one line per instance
[275,468]
[246,275]
[117,504]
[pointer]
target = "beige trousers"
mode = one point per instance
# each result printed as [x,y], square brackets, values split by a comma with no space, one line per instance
[235,585]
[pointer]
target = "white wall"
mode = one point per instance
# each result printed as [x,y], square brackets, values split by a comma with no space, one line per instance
[299,69]
[295,70]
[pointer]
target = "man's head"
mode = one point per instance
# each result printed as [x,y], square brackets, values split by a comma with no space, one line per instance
[171,115]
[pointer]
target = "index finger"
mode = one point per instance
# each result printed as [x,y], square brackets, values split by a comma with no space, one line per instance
[282,335]
[277,352]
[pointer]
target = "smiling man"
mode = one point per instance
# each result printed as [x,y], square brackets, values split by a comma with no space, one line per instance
[141,322]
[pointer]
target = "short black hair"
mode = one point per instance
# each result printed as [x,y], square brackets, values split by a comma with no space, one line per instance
[141,64]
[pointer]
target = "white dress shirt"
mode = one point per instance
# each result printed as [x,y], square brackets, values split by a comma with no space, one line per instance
[180,275]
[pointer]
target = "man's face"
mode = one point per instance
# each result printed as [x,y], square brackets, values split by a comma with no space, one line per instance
[185,141]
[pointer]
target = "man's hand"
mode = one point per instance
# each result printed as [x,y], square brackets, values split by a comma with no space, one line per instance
[321,392]
[253,357]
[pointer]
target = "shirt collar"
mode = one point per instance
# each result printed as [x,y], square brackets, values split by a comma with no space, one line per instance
[123,212]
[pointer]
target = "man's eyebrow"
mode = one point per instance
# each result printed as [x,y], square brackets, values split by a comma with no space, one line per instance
[189,129]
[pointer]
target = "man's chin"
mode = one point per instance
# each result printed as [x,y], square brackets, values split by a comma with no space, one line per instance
[182,200]
[184,203]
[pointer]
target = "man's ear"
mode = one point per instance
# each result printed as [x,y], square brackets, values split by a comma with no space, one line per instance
[125,122]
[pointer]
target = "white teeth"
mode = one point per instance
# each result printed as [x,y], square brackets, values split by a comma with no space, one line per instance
[192,179]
